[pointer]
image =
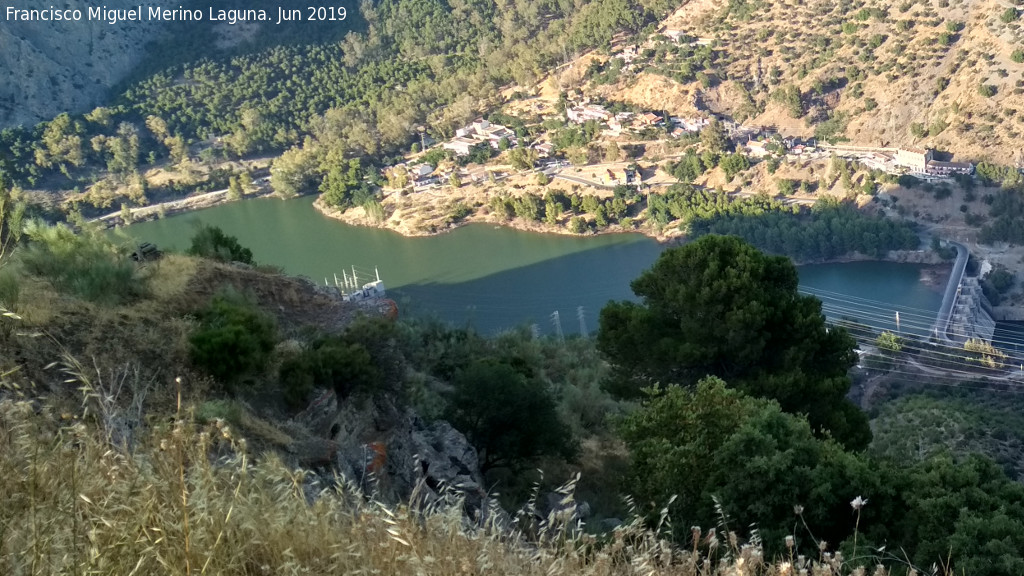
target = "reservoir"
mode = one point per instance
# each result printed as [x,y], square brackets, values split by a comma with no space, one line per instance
[498,278]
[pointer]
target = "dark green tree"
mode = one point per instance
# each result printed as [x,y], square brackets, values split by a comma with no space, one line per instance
[508,415]
[234,339]
[330,362]
[345,185]
[733,164]
[212,242]
[718,306]
[966,511]
[758,461]
[713,137]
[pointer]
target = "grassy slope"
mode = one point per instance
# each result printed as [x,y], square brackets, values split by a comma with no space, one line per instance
[73,505]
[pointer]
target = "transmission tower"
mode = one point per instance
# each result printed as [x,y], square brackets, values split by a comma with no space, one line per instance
[557,321]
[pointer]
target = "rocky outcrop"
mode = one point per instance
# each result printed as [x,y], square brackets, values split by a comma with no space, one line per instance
[390,450]
[51,67]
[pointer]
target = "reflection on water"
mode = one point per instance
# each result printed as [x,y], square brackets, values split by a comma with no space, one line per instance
[497,278]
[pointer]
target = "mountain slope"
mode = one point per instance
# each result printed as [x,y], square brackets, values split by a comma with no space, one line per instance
[933,73]
[51,67]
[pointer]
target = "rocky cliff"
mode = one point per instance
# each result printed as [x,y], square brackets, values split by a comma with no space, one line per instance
[51,67]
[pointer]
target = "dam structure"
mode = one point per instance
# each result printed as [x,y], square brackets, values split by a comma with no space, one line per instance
[965,314]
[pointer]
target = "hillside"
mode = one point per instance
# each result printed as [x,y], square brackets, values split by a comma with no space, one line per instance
[880,68]
[51,67]
[188,411]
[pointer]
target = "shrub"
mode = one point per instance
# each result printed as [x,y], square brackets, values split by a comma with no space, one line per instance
[733,164]
[1017,56]
[332,362]
[211,242]
[234,339]
[86,265]
[987,90]
[10,290]
[578,225]
[508,415]
[1008,15]
[459,212]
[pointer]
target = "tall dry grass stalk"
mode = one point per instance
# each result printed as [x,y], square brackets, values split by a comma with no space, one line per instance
[190,500]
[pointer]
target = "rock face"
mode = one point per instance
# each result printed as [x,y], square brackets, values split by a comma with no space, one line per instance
[51,67]
[391,450]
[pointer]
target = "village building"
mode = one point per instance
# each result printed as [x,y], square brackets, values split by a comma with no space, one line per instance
[649,119]
[691,124]
[421,170]
[758,148]
[544,149]
[914,159]
[877,161]
[581,114]
[939,168]
[460,145]
[673,34]
[480,131]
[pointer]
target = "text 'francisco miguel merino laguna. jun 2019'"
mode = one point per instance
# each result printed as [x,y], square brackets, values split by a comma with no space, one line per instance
[143,13]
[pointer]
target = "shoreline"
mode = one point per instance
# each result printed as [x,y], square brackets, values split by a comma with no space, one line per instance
[173,207]
[358,217]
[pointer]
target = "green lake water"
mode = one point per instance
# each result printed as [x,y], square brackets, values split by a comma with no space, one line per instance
[498,278]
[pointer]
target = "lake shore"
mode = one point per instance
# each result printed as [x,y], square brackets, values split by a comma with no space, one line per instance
[415,218]
[422,219]
[171,207]
[397,219]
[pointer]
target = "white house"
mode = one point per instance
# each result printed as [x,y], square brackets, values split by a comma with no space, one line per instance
[581,114]
[460,145]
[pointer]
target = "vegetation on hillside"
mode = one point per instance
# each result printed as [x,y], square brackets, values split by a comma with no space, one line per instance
[770,440]
[718,306]
[417,62]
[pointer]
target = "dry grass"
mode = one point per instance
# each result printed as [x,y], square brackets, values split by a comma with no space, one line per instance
[190,500]
[171,275]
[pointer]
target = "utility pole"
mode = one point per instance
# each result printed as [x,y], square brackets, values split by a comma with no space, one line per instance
[557,321]
[583,321]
